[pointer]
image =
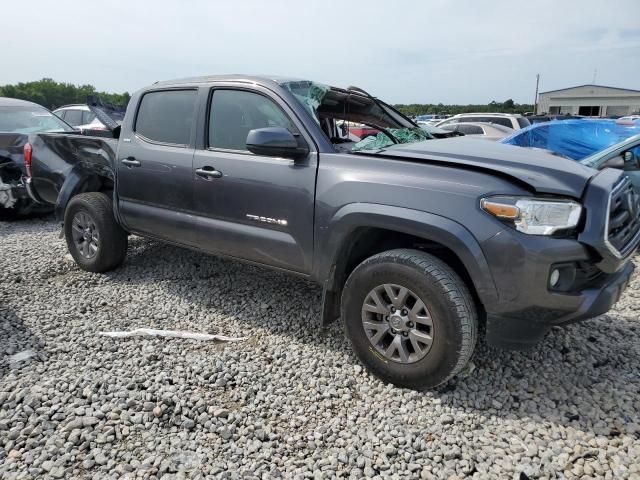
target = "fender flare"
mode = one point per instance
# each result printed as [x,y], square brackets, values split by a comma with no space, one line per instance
[76,178]
[427,226]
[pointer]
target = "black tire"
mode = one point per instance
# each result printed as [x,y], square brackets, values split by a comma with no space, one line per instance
[111,239]
[449,303]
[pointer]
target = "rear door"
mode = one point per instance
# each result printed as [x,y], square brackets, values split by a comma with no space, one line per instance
[251,206]
[155,183]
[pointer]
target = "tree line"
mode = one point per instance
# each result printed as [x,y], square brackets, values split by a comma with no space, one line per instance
[52,94]
[508,106]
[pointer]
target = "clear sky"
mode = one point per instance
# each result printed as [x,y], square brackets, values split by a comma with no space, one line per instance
[449,51]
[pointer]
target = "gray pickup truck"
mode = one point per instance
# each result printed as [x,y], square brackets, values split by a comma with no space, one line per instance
[416,242]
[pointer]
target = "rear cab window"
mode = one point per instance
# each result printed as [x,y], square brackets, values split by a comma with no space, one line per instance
[167,116]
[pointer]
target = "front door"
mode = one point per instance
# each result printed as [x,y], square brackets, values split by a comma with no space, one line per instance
[155,162]
[250,206]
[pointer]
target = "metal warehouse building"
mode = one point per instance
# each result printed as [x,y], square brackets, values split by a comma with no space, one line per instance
[590,100]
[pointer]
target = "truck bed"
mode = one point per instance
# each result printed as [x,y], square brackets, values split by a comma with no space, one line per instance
[64,157]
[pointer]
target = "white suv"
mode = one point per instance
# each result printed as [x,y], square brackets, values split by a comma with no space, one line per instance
[511,120]
[80,117]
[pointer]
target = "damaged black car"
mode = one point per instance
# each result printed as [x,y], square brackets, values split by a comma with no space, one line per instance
[18,119]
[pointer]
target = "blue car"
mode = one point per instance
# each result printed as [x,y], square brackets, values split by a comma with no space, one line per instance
[574,139]
[624,156]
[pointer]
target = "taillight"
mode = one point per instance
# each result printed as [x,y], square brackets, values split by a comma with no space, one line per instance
[28,152]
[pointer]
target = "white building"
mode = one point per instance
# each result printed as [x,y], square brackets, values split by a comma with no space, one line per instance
[590,100]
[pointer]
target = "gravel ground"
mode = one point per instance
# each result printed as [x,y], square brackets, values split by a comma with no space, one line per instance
[291,401]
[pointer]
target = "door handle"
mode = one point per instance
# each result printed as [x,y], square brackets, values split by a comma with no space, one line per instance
[130,162]
[208,172]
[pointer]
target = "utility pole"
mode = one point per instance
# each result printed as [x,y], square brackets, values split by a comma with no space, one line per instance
[535,100]
[595,74]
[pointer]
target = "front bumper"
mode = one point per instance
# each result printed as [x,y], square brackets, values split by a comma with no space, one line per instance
[527,306]
[593,272]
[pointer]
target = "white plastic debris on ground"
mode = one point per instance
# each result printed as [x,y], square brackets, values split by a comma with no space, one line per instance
[150,332]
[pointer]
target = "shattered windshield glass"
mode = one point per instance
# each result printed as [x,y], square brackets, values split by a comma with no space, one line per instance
[382,140]
[352,119]
[308,94]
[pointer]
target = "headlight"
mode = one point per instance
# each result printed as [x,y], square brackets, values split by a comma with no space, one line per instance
[536,216]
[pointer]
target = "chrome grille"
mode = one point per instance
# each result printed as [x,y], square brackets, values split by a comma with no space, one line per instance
[623,223]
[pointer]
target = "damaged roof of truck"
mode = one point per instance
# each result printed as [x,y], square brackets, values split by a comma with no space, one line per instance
[232,77]
[322,101]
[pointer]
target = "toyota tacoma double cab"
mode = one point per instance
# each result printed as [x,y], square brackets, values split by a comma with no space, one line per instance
[416,242]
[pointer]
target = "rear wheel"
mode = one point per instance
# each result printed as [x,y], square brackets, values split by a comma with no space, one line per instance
[410,318]
[95,240]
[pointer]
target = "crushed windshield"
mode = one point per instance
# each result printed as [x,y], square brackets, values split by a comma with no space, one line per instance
[352,119]
[308,94]
[30,120]
[400,135]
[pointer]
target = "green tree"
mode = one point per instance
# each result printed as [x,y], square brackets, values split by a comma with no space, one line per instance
[52,94]
[509,106]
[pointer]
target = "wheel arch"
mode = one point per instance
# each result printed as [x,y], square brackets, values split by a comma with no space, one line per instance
[82,179]
[359,231]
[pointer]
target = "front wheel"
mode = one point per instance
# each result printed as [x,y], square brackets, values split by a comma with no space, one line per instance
[410,318]
[95,240]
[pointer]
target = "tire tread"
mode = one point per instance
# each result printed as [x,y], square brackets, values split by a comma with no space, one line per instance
[452,285]
[113,237]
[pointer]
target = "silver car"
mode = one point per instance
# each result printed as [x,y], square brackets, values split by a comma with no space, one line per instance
[488,131]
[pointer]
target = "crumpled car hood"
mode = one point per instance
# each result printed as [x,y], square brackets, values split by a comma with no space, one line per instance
[543,173]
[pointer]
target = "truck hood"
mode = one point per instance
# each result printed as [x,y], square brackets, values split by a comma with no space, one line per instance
[542,172]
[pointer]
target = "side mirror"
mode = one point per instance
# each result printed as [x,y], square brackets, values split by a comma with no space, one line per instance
[276,142]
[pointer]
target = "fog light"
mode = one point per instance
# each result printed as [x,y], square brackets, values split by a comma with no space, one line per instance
[554,277]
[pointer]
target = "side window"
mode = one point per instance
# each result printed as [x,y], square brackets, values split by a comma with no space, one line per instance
[471,129]
[523,122]
[167,116]
[234,113]
[504,121]
[88,117]
[73,117]
[61,114]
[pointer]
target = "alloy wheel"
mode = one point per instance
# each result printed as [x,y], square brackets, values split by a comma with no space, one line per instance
[397,323]
[85,235]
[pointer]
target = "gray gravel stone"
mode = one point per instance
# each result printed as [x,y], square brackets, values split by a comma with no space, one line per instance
[291,401]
